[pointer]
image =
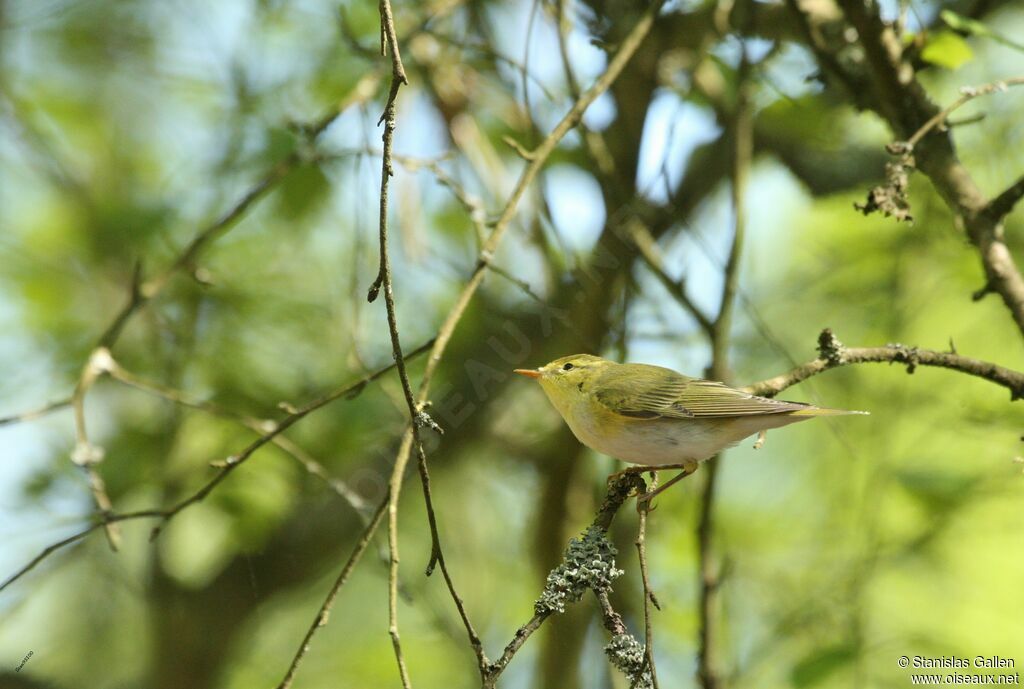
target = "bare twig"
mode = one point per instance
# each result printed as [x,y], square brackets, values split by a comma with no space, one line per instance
[46,552]
[967,94]
[36,413]
[437,556]
[643,508]
[417,417]
[325,607]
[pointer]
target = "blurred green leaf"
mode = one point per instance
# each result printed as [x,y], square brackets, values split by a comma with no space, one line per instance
[819,665]
[938,491]
[947,49]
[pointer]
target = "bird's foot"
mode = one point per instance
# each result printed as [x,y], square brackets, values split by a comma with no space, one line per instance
[643,502]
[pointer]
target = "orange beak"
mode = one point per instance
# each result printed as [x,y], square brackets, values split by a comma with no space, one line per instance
[528,372]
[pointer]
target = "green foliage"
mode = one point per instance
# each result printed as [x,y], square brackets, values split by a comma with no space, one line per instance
[946,49]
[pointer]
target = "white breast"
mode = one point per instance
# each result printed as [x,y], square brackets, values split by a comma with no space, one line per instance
[666,441]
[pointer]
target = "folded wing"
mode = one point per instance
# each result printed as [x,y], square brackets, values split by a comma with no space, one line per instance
[641,391]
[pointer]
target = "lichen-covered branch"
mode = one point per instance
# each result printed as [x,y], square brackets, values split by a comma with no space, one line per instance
[587,565]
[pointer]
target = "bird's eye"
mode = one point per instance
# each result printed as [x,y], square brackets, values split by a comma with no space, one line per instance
[567,367]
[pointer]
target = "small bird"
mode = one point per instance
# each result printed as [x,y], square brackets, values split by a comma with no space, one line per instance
[655,417]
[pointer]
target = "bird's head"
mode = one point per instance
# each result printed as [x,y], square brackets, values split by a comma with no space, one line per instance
[565,379]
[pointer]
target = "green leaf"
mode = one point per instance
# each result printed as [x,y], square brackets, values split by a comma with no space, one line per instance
[817,666]
[947,49]
[958,22]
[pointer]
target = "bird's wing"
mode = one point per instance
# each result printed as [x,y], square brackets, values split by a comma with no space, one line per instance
[642,391]
[648,392]
[708,399]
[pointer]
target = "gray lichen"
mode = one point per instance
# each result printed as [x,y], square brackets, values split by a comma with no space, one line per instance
[627,655]
[589,563]
[891,198]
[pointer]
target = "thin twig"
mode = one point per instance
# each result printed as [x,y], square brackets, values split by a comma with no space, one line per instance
[967,94]
[643,507]
[325,607]
[46,552]
[417,417]
[37,413]
[649,252]
[437,555]
[87,455]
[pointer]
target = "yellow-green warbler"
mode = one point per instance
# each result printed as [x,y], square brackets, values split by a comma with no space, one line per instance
[655,417]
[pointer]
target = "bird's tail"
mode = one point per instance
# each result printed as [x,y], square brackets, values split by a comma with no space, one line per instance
[822,411]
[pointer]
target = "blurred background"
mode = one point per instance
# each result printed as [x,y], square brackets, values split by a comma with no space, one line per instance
[127,127]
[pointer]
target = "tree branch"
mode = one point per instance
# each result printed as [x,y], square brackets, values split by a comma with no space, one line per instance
[87,455]
[620,487]
[834,354]
[648,248]
[902,101]
[720,336]
[1001,205]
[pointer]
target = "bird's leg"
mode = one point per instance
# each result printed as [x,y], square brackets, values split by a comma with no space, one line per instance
[687,469]
[761,437]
